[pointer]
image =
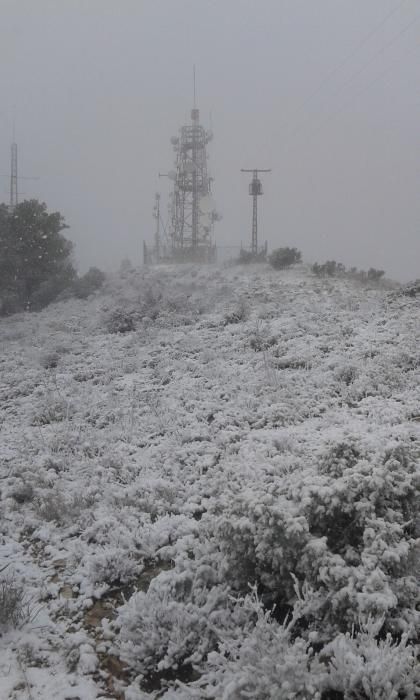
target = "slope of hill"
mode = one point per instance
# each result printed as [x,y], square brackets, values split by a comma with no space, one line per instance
[209,489]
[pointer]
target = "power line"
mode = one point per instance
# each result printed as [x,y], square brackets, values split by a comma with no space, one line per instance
[353,96]
[361,70]
[347,58]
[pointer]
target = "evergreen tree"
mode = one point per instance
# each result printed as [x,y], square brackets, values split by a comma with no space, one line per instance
[35,258]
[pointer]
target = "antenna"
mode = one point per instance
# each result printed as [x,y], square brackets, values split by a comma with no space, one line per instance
[189,233]
[255,190]
[14,178]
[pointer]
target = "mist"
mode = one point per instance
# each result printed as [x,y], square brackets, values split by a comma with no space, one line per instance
[325,94]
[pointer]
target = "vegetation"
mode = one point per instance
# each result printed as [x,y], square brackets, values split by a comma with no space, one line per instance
[246,256]
[281,258]
[35,258]
[36,265]
[331,268]
[86,285]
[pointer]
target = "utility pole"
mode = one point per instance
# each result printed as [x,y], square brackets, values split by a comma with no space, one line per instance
[255,190]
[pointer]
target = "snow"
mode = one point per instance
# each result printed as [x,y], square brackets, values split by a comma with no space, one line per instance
[250,421]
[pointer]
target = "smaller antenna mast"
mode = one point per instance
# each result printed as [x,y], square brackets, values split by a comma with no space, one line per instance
[255,189]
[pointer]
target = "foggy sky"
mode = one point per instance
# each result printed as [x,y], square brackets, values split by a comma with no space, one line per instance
[99,87]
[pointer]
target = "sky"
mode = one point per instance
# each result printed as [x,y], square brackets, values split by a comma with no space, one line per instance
[324,93]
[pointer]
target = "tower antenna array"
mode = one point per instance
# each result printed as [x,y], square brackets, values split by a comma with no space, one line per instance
[255,190]
[192,212]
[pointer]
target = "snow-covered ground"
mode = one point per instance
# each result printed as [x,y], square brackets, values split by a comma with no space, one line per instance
[220,501]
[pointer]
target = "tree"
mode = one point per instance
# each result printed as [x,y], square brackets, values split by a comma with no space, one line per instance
[284,257]
[35,258]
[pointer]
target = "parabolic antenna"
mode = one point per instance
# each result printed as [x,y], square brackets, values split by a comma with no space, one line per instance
[207,204]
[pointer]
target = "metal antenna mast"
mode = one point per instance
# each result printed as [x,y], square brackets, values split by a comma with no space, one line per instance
[13,178]
[255,189]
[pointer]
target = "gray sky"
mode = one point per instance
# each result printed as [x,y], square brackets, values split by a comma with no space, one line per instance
[100,86]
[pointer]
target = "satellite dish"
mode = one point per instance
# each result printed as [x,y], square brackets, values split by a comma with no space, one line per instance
[174,140]
[207,204]
[172,175]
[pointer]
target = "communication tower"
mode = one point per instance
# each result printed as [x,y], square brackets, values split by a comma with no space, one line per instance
[189,236]
[255,190]
[14,178]
[193,211]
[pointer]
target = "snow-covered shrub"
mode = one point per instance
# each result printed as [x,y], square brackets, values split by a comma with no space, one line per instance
[347,530]
[238,313]
[261,339]
[375,275]
[330,268]
[89,283]
[411,289]
[112,565]
[175,622]
[262,537]
[54,506]
[52,409]
[121,320]
[261,660]
[50,357]
[363,666]
[281,258]
[22,492]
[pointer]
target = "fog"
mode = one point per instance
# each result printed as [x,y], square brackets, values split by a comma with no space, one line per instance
[325,93]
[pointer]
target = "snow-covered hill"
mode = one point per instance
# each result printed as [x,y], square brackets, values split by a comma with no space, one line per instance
[209,489]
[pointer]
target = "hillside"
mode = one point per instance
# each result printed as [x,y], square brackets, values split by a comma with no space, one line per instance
[209,489]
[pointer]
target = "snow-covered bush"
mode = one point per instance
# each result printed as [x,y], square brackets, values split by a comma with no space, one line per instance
[89,283]
[281,258]
[363,666]
[262,659]
[176,621]
[121,320]
[112,565]
[237,313]
[52,408]
[347,530]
